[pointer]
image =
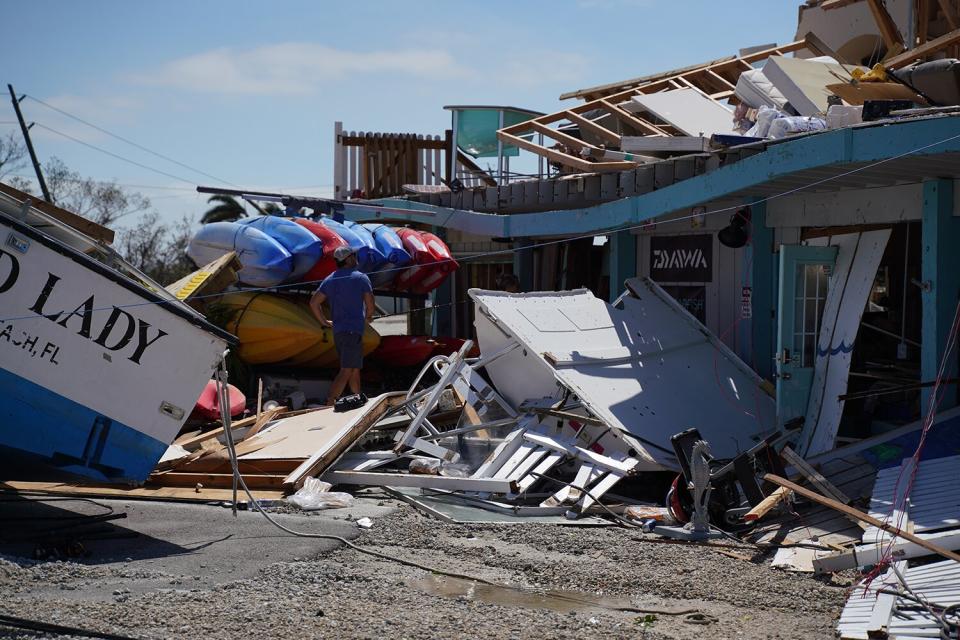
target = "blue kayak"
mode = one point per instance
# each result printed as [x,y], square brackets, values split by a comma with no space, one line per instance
[391,246]
[366,261]
[305,247]
[373,249]
[265,262]
[389,243]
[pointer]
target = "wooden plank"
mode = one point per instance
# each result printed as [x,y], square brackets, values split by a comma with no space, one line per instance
[130,493]
[343,440]
[262,420]
[815,477]
[888,28]
[767,504]
[930,47]
[215,480]
[563,158]
[948,12]
[586,124]
[629,118]
[376,479]
[868,554]
[210,279]
[856,94]
[857,515]
[214,433]
[72,220]
[559,136]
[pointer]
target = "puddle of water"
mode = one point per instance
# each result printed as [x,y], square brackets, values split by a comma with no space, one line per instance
[560,601]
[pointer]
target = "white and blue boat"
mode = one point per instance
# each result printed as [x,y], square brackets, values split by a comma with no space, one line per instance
[99,365]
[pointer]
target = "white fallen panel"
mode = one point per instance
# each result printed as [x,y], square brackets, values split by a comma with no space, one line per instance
[686,109]
[852,280]
[933,503]
[804,82]
[648,370]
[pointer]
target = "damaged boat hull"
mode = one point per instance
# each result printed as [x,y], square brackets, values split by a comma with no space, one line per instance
[97,371]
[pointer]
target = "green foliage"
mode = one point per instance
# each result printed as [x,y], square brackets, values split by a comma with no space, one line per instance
[227,209]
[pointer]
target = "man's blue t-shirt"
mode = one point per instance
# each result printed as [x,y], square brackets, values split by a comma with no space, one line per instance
[344,289]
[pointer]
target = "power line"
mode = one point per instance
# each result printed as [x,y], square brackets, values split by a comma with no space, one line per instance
[130,142]
[114,155]
[561,240]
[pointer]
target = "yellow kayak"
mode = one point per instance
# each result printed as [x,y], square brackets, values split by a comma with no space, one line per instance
[272,329]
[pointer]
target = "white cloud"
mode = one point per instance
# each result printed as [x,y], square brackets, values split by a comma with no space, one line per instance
[293,68]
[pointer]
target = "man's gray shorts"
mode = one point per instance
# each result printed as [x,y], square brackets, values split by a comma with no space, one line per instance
[350,348]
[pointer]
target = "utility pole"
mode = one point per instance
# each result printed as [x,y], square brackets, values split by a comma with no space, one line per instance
[26,137]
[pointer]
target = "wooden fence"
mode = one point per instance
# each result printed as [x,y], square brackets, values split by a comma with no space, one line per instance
[378,165]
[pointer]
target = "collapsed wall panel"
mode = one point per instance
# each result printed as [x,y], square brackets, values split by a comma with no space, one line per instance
[649,370]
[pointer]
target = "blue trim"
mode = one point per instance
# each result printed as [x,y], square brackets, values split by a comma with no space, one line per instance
[941,268]
[37,424]
[836,148]
[822,353]
[763,291]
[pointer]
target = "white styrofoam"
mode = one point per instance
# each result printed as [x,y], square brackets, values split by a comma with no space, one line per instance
[650,369]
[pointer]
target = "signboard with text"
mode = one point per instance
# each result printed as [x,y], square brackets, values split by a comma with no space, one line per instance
[681,258]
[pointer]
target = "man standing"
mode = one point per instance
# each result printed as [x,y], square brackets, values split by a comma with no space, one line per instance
[351,300]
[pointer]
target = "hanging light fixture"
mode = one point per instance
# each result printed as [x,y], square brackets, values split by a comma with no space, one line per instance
[737,233]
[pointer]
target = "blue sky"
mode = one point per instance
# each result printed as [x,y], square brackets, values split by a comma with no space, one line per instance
[249,91]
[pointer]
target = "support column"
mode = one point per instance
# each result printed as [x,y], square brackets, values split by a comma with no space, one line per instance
[763,298]
[443,299]
[523,262]
[623,261]
[941,283]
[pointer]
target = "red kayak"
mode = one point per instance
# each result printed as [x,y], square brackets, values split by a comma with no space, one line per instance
[443,264]
[330,240]
[421,260]
[447,346]
[208,405]
[404,351]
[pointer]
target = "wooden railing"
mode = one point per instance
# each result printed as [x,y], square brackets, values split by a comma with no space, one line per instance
[379,165]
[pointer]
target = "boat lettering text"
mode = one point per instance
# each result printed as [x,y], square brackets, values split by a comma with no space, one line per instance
[111,327]
[30,343]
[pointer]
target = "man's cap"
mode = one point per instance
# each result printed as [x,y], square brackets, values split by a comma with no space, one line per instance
[342,253]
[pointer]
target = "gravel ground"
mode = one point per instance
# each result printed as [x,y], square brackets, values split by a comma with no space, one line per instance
[342,593]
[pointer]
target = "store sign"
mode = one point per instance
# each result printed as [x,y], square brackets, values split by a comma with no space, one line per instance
[681,258]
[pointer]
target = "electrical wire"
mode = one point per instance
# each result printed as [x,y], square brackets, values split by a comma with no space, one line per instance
[113,155]
[127,141]
[544,243]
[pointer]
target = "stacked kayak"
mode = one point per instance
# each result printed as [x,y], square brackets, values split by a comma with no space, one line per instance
[277,330]
[276,250]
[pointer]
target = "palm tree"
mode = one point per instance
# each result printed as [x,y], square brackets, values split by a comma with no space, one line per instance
[228,210]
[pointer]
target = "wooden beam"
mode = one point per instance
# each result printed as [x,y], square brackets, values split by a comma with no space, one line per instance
[72,220]
[559,136]
[467,162]
[932,46]
[625,116]
[923,21]
[888,28]
[566,159]
[185,494]
[767,504]
[947,8]
[813,476]
[856,515]
[214,480]
[586,124]
[827,5]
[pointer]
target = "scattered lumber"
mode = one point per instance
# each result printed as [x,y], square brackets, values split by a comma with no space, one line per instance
[182,494]
[858,515]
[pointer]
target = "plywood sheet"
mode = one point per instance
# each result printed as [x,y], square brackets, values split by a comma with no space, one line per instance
[688,110]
